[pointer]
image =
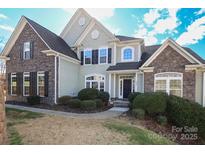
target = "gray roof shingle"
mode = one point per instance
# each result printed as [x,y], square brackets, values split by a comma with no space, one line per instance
[52,40]
[126,38]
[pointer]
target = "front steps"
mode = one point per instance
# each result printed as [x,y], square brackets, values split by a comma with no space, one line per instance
[121,103]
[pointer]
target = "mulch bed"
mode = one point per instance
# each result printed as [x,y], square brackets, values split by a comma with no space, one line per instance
[63,108]
[166,130]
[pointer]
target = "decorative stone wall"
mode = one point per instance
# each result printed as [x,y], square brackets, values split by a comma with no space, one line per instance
[170,60]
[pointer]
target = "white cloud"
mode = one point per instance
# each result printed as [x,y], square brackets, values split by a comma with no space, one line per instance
[194,33]
[201,11]
[151,16]
[2,16]
[7,28]
[97,13]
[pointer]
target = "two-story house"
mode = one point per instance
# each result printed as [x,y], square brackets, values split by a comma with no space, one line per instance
[87,55]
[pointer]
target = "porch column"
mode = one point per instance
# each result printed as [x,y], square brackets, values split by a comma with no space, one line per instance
[109,84]
[203,89]
[136,82]
[114,87]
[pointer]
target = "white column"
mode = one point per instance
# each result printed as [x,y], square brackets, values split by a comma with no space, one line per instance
[136,82]
[203,89]
[114,88]
[110,84]
[115,52]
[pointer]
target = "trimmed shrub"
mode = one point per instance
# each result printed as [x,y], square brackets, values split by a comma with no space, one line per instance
[138,113]
[33,100]
[131,98]
[64,100]
[162,120]
[152,103]
[74,103]
[99,103]
[88,105]
[88,94]
[182,112]
[104,96]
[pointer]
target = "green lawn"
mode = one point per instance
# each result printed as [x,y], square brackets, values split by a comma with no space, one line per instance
[137,135]
[14,117]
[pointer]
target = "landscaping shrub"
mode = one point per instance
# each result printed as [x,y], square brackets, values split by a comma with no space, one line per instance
[88,94]
[99,103]
[88,105]
[74,103]
[131,98]
[33,100]
[152,103]
[138,113]
[64,100]
[182,112]
[104,96]
[162,120]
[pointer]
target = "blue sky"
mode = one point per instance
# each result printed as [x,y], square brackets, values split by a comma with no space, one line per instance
[186,26]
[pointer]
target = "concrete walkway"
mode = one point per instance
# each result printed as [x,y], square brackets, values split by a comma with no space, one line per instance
[113,112]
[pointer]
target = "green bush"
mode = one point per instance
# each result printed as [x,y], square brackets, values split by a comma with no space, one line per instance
[33,100]
[64,100]
[152,103]
[88,105]
[99,103]
[162,120]
[131,98]
[88,94]
[138,113]
[74,103]
[104,96]
[182,112]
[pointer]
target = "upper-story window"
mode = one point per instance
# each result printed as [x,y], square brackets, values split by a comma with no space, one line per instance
[127,54]
[103,55]
[88,56]
[27,50]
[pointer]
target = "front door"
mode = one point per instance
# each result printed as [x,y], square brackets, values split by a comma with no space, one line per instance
[127,85]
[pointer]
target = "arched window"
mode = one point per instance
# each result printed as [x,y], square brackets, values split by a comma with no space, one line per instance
[127,54]
[169,82]
[95,81]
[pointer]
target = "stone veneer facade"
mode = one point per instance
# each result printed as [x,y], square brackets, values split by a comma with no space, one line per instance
[39,62]
[170,60]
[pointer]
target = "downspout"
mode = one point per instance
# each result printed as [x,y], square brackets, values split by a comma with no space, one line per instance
[55,87]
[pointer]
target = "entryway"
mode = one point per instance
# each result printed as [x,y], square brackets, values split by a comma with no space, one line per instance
[126,86]
[127,83]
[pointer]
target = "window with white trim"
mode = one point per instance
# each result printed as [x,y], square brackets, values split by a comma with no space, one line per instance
[13,84]
[88,56]
[27,51]
[127,54]
[169,82]
[26,83]
[95,81]
[41,84]
[103,55]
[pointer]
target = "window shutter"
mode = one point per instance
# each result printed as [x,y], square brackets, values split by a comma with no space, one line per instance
[31,49]
[109,55]
[94,56]
[21,51]
[33,84]
[19,83]
[9,84]
[82,57]
[46,83]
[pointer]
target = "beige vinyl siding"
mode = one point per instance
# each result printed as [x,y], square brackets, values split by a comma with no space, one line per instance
[199,87]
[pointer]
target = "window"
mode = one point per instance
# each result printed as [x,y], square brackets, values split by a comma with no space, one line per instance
[88,57]
[171,83]
[27,50]
[41,84]
[13,84]
[26,84]
[127,54]
[95,81]
[103,55]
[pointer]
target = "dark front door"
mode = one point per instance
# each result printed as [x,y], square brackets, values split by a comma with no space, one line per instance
[127,84]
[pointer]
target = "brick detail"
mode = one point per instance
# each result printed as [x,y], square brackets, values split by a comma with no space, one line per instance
[170,60]
[40,62]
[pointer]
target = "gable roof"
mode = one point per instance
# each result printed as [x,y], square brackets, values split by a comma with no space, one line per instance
[126,38]
[55,42]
